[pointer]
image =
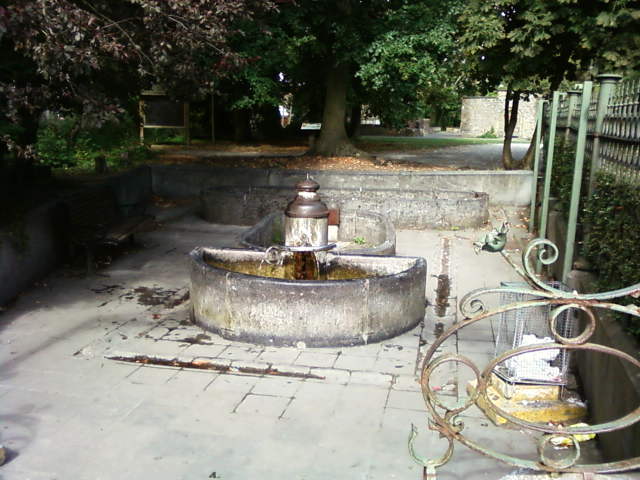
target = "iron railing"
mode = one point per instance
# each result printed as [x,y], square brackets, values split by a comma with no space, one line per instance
[445,419]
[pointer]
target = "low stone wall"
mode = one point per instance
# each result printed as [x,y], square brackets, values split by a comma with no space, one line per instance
[45,245]
[407,209]
[508,188]
[23,262]
[479,115]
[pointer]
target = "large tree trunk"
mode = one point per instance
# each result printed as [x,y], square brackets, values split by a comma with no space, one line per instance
[355,121]
[333,141]
[510,120]
[527,160]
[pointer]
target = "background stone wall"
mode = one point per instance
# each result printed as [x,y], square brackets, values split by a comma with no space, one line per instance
[480,114]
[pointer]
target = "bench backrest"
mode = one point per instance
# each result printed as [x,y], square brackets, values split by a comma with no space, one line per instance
[92,210]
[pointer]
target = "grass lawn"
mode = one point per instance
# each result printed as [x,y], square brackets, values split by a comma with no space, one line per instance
[382,143]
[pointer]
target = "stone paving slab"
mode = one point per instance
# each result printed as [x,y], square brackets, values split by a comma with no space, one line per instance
[68,411]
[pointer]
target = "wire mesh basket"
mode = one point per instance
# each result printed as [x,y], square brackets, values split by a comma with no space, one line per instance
[529,326]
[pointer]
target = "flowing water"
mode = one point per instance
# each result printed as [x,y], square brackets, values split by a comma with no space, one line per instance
[305,266]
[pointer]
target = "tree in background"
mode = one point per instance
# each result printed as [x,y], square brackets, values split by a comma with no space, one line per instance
[532,46]
[414,66]
[391,55]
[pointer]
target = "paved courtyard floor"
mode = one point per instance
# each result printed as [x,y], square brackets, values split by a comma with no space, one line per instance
[74,407]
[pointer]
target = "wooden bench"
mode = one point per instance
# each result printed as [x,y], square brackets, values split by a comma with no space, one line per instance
[93,220]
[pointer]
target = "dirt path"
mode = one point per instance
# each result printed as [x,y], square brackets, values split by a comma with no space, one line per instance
[462,157]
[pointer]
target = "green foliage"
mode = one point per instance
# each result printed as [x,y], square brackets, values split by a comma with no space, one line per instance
[54,145]
[413,69]
[400,54]
[164,136]
[359,240]
[64,143]
[533,44]
[613,215]
[489,134]
[562,175]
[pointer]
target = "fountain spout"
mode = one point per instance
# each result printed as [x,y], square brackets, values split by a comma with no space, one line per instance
[306,226]
[306,221]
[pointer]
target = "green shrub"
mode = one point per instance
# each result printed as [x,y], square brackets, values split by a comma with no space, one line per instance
[164,136]
[489,134]
[63,143]
[612,244]
[54,145]
[562,178]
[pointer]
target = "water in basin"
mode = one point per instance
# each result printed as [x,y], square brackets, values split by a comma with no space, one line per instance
[298,266]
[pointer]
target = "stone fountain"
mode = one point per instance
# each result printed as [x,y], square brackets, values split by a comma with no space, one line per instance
[301,293]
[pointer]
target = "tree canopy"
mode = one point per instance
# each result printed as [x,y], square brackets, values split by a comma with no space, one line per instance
[397,57]
[532,46]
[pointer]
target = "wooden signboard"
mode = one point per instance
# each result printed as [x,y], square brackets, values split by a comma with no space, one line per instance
[157,110]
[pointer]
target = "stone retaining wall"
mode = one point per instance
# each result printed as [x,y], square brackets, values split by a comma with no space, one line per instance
[480,114]
[508,188]
[407,209]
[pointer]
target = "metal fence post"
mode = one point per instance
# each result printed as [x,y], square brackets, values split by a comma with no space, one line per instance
[607,82]
[572,96]
[577,180]
[542,233]
[544,214]
[536,164]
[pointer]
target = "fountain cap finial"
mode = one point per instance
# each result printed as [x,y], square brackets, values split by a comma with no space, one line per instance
[307,185]
[307,203]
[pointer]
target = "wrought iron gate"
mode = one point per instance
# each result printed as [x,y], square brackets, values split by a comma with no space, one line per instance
[445,419]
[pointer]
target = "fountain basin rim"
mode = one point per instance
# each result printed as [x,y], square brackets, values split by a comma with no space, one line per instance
[197,255]
[304,249]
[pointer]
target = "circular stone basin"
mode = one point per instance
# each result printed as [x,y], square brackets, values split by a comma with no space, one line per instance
[386,301]
[361,232]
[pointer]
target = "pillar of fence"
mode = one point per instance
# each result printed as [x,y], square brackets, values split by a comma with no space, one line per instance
[544,211]
[607,83]
[576,185]
[544,214]
[536,163]
[572,100]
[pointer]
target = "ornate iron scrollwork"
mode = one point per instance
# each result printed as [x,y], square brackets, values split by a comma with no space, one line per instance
[445,419]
